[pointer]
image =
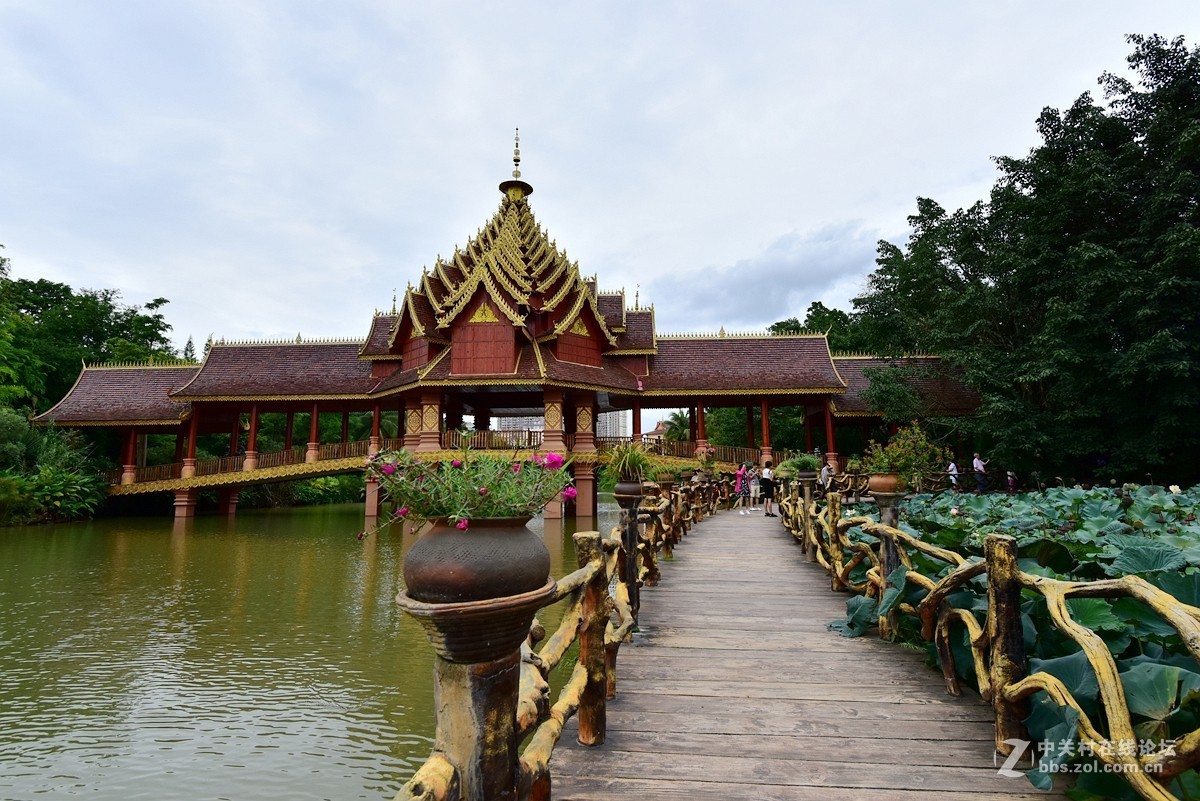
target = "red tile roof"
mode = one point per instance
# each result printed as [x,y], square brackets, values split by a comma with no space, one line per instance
[639,331]
[940,386]
[606,376]
[109,395]
[738,364]
[299,370]
[380,337]
[612,309]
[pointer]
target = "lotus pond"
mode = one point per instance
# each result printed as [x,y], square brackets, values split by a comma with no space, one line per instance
[1077,535]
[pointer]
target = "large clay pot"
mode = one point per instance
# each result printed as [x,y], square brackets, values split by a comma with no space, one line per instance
[883,482]
[494,558]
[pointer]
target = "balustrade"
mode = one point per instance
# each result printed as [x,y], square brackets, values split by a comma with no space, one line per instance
[895,560]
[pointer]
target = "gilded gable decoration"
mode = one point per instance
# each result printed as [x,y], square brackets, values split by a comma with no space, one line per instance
[484,314]
[580,328]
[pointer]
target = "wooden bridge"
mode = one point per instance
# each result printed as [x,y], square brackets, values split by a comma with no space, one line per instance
[734,688]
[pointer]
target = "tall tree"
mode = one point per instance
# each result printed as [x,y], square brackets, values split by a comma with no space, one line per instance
[189,351]
[1070,298]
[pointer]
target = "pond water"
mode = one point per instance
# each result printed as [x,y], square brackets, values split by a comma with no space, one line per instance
[245,659]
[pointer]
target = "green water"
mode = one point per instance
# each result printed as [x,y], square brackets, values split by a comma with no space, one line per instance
[256,658]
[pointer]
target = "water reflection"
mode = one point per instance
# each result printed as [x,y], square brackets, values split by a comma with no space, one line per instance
[218,658]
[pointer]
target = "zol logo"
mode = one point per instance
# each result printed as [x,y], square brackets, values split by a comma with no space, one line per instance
[1020,747]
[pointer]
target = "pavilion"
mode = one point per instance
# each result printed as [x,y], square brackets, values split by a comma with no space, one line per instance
[506,326]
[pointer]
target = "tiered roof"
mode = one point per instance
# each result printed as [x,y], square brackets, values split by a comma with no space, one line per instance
[742,365]
[137,394]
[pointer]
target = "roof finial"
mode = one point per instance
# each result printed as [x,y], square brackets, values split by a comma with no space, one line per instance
[517,153]
[637,292]
[394,300]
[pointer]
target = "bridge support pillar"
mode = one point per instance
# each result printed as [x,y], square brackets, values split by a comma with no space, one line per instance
[373,445]
[128,474]
[831,459]
[430,437]
[227,501]
[585,487]
[373,501]
[251,461]
[185,502]
[188,470]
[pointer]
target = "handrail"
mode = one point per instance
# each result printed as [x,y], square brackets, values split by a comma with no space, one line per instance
[996,640]
[278,458]
[662,519]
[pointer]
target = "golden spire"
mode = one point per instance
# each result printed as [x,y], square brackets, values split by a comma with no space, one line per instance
[517,154]
[515,188]
[393,300]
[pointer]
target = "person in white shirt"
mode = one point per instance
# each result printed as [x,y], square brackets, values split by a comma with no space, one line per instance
[952,469]
[768,489]
[980,467]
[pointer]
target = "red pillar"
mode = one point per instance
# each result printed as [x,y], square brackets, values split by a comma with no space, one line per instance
[692,424]
[234,434]
[129,458]
[189,461]
[766,431]
[373,445]
[701,433]
[345,430]
[179,437]
[831,455]
[288,429]
[252,440]
[314,432]
[635,430]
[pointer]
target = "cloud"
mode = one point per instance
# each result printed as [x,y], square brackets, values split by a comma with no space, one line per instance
[781,281]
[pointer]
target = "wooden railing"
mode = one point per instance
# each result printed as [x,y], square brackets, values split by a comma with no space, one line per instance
[893,560]
[296,455]
[736,455]
[663,447]
[157,472]
[520,439]
[221,464]
[599,621]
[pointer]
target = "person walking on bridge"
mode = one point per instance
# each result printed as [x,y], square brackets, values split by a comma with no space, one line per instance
[768,489]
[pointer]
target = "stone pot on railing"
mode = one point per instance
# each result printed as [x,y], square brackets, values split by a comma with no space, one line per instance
[883,482]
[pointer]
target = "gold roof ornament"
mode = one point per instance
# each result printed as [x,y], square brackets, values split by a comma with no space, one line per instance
[516,188]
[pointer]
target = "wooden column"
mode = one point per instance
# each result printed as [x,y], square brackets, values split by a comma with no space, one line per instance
[552,438]
[766,432]
[373,444]
[701,432]
[189,462]
[235,434]
[129,457]
[831,455]
[430,436]
[585,443]
[179,438]
[596,608]
[251,462]
[1007,643]
[371,513]
[889,552]
[635,429]
[692,427]
[289,430]
[314,435]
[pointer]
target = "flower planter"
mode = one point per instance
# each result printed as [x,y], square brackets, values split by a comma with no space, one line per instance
[884,482]
[492,558]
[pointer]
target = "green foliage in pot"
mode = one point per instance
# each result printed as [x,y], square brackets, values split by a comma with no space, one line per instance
[801,463]
[629,461]
[910,454]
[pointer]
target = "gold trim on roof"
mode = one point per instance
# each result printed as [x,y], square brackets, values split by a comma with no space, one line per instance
[38,421]
[484,314]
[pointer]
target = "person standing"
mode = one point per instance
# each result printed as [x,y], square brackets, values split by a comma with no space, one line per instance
[741,488]
[768,489]
[952,471]
[980,467]
[755,488]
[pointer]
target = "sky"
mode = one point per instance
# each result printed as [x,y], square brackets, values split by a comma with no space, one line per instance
[278,168]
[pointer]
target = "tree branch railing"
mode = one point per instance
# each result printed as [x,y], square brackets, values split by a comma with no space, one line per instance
[600,622]
[995,635]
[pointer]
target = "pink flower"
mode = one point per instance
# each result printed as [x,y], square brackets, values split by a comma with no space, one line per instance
[462,525]
[388,468]
[483,490]
[362,534]
[569,493]
[553,461]
[403,512]
[456,463]
[517,467]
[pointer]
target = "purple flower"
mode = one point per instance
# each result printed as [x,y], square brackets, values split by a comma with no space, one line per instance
[456,463]
[569,493]
[388,468]
[462,525]
[553,461]
[483,490]
[403,512]
[517,467]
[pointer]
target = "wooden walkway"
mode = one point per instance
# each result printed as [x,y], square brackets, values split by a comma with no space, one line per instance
[734,689]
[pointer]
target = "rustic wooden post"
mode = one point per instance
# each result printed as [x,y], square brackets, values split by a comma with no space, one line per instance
[1007,658]
[889,553]
[477,678]
[806,522]
[596,608]
[833,517]
[629,497]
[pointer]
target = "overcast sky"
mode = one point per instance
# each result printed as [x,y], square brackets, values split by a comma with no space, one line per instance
[278,167]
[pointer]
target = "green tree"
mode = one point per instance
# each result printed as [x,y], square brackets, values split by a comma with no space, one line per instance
[1070,298]
[841,328]
[189,351]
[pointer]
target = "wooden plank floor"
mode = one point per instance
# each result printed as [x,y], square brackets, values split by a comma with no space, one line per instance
[734,689]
